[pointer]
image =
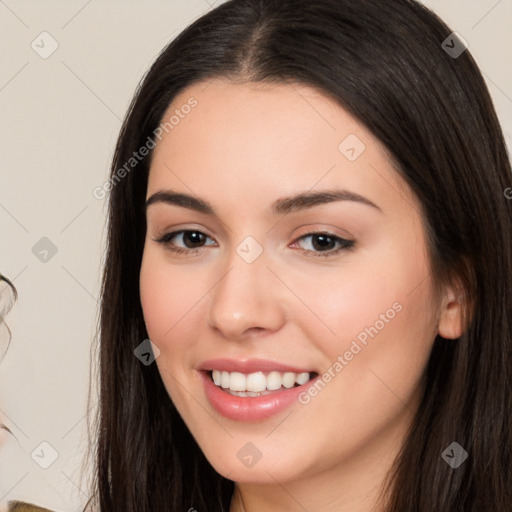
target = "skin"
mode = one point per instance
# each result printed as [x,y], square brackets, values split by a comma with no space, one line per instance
[242,147]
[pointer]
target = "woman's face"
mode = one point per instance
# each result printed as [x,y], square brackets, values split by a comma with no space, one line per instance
[259,170]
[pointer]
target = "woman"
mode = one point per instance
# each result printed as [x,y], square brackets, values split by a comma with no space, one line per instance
[307,219]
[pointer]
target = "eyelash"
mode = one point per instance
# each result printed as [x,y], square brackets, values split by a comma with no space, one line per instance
[346,245]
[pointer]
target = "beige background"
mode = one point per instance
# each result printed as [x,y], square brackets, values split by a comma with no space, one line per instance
[60,119]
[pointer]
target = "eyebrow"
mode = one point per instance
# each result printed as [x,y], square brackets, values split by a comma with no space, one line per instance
[281,206]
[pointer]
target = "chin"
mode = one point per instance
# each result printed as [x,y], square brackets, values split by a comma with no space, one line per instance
[265,471]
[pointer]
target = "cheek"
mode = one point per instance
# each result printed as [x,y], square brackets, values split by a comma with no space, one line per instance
[171,304]
[170,296]
[346,300]
[376,309]
[366,283]
[376,359]
[156,300]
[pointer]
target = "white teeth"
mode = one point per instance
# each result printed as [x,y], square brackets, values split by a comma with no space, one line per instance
[288,380]
[302,378]
[257,382]
[274,381]
[224,380]
[217,377]
[237,382]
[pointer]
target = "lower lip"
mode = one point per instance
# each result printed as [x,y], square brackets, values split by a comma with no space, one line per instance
[250,408]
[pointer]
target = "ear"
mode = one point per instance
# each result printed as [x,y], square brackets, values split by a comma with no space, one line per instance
[451,323]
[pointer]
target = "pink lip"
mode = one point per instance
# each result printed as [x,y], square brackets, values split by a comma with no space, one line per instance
[249,366]
[250,408]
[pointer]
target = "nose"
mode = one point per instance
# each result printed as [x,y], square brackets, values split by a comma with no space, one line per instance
[246,300]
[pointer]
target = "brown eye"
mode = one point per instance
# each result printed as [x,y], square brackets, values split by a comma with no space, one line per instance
[193,238]
[185,240]
[325,244]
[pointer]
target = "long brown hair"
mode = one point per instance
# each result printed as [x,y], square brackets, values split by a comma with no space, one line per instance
[385,63]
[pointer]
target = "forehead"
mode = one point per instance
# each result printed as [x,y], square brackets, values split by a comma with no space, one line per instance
[269,140]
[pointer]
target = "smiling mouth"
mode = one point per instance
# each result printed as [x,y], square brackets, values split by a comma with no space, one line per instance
[258,383]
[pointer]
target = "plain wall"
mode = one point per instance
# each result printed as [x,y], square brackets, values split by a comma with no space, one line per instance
[60,120]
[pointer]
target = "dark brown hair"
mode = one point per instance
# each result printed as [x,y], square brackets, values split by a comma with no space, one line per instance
[384,62]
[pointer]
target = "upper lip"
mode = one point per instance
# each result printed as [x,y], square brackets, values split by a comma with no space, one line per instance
[249,366]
